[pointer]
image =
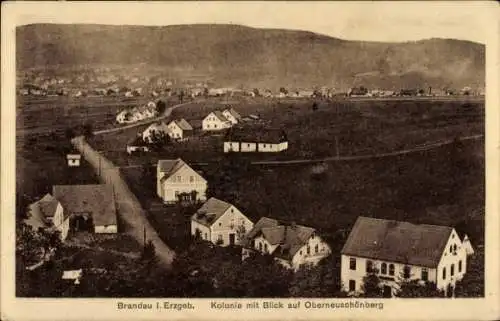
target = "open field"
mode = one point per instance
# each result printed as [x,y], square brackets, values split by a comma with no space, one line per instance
[48,114]
[356,127]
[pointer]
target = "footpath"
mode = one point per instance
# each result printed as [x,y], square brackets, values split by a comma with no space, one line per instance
[132,217]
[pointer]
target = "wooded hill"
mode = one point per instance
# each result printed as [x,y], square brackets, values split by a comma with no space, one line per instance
[235,55]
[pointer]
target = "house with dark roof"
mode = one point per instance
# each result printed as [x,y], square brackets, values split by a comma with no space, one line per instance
[215,121]
[177,181]
[292,245]
[255,139]
[180,129]
[232,115]
[220,222]
[395,250]
[87,207]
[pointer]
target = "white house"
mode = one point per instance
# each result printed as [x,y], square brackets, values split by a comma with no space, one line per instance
[291,245]
[220,223]
[177,181]
[73,159]
[215,121]
[232,115]
[400,249]
[180,129]
[48,213]
[257,140]
[87,207]
[155,128]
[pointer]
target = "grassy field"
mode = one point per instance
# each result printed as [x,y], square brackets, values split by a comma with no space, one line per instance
[361,127]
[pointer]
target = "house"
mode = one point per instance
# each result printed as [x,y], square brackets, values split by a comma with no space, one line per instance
[123,117]
[220,223]
[73,159]
[215,121]
[180,129]
[87,207]
[48,213]
[357,92]
[232,115]
[396,249]
[292,245]
[261,140]
[72,275]
[155,128]
[137,145]
[177,181]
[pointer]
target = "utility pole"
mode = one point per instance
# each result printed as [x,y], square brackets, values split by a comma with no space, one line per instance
[144,236]
[337,147]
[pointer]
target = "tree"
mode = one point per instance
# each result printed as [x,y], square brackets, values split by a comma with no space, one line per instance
[283,90]
[315,106]
[472,284]
[69,133]
[160,106]
[158,140]
[371,285]
[256,92]
[87,130]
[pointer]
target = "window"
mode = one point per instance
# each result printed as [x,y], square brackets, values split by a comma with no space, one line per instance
[265,248]
[248,145]
[208,126]
[383,268]
[316,248]
[191,179]
[215,126]
[264,145]
[300,253]
[425,275]
[219,237]
[452,270]
[451,248]
[352,285]
[260,246]
[179,179]
[253,243]
[444,273]
[308,250]
[407,272]
[454,247]
[220,224]
[352,264]
[369,266]
[391,269]
[459,266]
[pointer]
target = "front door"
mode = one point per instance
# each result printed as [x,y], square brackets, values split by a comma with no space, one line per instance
[231,239]
[387,291]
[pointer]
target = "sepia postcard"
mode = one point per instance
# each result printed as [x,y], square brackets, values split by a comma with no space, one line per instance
[250,160]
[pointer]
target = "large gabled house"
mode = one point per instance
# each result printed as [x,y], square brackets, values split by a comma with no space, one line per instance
[177,181]
[396,250]
[215,121]
[220,223]
[253,139]
[180,129]
[87,207]
[292,245]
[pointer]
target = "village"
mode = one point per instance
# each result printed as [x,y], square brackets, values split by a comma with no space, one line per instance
[396,253]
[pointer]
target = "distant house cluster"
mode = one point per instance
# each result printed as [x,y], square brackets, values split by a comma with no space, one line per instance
[75,208]
[137,113]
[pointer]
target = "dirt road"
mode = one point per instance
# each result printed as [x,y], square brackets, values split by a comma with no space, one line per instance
[131,215]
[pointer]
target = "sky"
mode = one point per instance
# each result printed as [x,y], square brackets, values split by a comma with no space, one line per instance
[369,21]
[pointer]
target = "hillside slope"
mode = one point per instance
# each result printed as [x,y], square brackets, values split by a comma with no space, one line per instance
[234,54]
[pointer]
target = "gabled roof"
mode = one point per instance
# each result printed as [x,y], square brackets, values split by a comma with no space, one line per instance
[394,241]
[183,124]
[234,113]
[97,200]
[219,115]
[170,166]
[210,211]
[47,205]
[256,135]
[289,237]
